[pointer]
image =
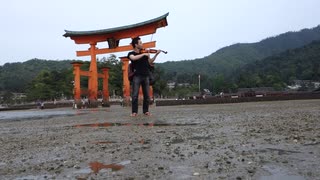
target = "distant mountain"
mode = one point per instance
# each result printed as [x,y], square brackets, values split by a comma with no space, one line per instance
[282,69]
[226,60]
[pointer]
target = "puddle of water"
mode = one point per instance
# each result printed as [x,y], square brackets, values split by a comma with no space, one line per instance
[36,114]
[83,171]
[96,125]
[125,162]
[107,124]
[282,151]
[279,173]
[199,138]
[281,177]
[181,172]
[142,141]
[30,177]
[103,142]
[96,167]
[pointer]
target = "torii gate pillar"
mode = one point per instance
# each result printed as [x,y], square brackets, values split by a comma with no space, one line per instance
[126,82]
[105,90]
[76,83]
[93,77]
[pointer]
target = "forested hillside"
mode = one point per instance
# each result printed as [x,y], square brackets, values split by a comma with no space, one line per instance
[14,77]
[226,60]
[281,70]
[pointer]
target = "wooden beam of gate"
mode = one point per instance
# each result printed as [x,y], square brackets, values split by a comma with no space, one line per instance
[117,49]
[100,75]
[84,73]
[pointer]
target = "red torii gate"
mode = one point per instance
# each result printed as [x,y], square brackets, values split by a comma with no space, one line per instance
[113,37]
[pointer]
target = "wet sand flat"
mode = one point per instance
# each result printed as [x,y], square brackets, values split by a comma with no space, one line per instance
[256,140]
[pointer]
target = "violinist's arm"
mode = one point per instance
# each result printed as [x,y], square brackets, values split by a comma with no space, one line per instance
[137,57]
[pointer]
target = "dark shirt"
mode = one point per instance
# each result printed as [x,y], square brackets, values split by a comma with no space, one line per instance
[140,66]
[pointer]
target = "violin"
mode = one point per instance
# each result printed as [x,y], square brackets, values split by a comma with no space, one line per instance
[152,51]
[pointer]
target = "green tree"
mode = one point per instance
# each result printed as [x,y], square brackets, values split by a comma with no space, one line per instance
[219,83]
[7,98]
[49,85]
[160,87]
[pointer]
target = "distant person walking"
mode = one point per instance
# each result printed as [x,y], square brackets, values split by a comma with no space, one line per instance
[141,64]
[42,105]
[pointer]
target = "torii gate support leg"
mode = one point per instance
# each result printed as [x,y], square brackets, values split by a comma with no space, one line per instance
[105,101]
[76,83]
[93,78]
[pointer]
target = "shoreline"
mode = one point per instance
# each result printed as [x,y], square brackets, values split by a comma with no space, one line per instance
[203,100]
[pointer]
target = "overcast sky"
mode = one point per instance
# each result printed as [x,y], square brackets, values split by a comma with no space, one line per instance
[196,28]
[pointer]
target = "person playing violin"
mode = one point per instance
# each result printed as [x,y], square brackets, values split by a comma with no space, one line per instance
[141,64]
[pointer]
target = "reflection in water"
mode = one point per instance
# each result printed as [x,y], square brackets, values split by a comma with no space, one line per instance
[279,172]
[107,124]
[38,114]
[94,110]
[97,166]
[141,141]
[103,142]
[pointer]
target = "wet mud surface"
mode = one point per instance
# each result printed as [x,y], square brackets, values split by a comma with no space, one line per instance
[257,140]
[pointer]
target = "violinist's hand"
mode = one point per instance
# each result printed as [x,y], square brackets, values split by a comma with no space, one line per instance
[158,51]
